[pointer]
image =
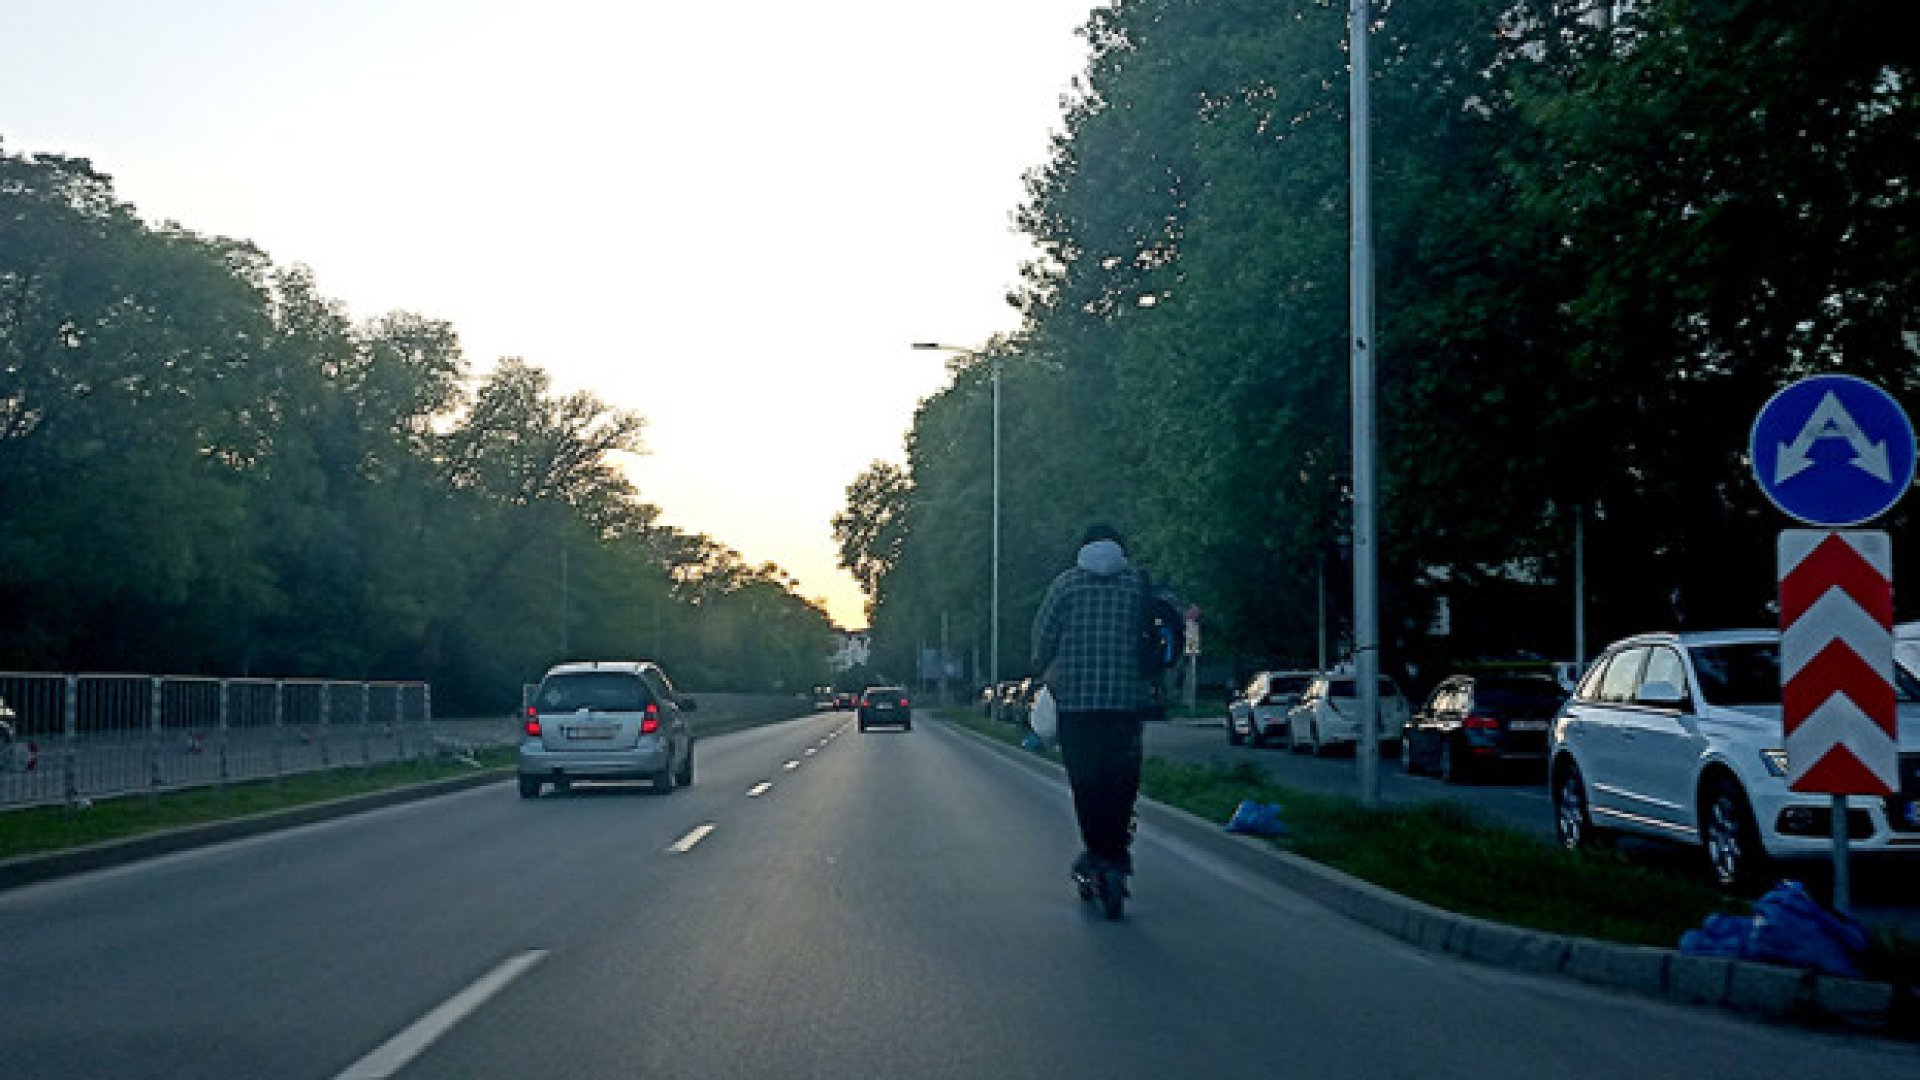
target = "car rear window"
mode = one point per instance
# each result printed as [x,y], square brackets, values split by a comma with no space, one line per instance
[1518,698]
[1741,674]
[1292,684]
[1749,674]
[601,691]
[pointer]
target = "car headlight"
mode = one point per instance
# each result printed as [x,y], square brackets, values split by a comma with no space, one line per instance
[1776,761]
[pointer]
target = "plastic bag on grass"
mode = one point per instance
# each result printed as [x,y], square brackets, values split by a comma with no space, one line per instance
[1787,927]
[1256,819]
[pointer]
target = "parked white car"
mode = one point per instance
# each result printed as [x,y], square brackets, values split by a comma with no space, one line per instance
[1679,736]
[1259,712]
[1328,716]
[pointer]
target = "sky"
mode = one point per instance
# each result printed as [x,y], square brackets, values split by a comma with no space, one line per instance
[731,218]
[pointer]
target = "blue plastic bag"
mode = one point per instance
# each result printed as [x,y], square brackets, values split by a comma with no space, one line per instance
[1787,927]
[1256,819]
[1790,927]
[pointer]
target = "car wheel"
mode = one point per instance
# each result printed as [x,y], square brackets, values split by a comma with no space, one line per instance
[685,779]
[1406,756]
[1234,738]
[1734,855]
[1314,744]
[529,788]
[1453,767]
[663,780]
[1572,820]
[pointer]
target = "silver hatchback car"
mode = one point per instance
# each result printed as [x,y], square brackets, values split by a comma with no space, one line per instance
[606,720]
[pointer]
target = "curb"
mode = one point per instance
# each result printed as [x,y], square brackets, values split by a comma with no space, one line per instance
[28,869]
[1763,991]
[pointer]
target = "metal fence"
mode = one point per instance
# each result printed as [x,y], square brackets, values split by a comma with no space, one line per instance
[75,737]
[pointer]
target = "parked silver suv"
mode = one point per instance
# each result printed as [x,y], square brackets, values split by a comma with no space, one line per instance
[1679,736]
[606,720]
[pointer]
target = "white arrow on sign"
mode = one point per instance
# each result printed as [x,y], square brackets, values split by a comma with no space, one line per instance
[1832,421]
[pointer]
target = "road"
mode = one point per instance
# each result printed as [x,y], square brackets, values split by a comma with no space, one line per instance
[821,903]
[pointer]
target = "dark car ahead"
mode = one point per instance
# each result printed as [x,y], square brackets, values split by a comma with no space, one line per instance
[1473,724]
[885,705]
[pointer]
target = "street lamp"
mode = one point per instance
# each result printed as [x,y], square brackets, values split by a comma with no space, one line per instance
[993,595]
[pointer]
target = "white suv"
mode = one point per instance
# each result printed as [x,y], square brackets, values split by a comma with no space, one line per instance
[1679,736]
[1328,715]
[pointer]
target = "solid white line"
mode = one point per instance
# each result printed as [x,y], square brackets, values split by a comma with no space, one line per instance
[685,843]
[395,1053]
[760,789]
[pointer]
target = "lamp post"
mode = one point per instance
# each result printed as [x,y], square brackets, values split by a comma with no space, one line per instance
[993,595]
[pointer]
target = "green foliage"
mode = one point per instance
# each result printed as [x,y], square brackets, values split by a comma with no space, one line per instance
[1600,245]
[207,467]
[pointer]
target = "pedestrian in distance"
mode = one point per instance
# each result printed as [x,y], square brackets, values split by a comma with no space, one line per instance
[1087,647]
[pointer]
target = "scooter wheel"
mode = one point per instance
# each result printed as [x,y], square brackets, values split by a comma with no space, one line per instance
[1113,894]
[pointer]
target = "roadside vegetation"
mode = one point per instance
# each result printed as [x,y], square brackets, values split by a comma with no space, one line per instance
[41,829]
[1444,855]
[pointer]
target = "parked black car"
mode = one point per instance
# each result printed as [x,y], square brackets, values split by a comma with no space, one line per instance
[1473,724]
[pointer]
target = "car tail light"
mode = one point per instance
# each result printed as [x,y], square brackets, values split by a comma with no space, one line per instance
[903,703]
[1477,722]
[864,703]
[533,722]
[650,723]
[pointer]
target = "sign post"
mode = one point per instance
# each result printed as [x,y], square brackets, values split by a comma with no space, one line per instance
[1836,451]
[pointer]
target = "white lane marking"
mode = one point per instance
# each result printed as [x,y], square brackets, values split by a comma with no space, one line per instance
[760,789]
[812,750]
[685,843]
[791,765]
[395,1053]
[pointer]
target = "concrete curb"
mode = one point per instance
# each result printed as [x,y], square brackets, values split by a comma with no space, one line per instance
[1763,991]
[27,869]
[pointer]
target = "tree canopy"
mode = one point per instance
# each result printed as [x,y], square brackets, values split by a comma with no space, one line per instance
[1606,234]
[208,467]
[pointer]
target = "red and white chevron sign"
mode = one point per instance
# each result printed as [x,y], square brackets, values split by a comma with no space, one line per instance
[1836,661]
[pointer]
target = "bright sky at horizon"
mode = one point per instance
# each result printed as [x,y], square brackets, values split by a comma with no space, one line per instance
[730,218]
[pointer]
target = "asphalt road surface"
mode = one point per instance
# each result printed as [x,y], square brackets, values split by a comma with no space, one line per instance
[821,903]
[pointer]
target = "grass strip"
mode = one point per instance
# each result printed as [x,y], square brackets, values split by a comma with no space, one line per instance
[40,829]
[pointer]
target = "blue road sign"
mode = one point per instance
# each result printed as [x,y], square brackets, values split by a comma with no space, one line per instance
[1833,450]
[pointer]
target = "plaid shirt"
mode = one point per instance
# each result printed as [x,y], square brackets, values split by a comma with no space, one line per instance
[1086,640]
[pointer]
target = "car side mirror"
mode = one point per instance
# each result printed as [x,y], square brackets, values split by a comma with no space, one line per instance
[1661,694]
[689,704]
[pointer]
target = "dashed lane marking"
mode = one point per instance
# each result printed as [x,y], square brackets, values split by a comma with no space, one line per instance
[759,789]
[685,843]
[394,1054]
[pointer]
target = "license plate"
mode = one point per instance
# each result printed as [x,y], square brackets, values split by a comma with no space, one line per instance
[1527,725]
[589,733]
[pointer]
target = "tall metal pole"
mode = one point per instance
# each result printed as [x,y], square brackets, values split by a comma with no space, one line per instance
[1579,590]
[1366,630]
[993,596]
[993,600]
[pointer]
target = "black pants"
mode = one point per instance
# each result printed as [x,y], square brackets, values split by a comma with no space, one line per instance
[1102,755]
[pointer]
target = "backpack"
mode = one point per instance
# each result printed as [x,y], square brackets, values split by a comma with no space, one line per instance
[1163,630]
